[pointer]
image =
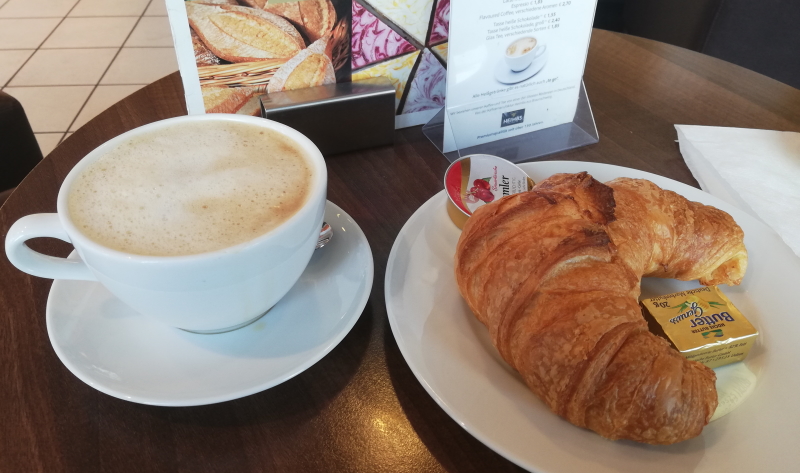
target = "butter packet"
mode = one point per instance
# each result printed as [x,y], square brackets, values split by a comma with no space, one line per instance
[702,324]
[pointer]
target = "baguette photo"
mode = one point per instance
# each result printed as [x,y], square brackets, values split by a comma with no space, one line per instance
[311,67]
[314,18]
[259,47]
[240,34]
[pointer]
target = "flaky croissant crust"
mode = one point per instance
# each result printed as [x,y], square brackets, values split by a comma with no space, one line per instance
[555,274]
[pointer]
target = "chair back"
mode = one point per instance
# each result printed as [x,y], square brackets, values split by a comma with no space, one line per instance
[19,150]
[763,36]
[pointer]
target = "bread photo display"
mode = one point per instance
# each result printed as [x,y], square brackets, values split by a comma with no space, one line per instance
[311,67]
[314,18]
[239,34]
[254,46]
[242,100]
[202,55]
[555,273]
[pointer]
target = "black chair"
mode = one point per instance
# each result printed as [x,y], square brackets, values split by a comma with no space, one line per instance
[19,150]
[760,35]
[683,23]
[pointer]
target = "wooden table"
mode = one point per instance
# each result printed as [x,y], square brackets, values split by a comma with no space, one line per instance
[322,419]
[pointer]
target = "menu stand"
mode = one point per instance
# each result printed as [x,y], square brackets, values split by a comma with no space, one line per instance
[581,131]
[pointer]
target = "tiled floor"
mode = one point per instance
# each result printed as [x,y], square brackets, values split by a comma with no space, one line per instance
[68,60]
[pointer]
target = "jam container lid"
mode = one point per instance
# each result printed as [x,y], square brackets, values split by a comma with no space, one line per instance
[479,179]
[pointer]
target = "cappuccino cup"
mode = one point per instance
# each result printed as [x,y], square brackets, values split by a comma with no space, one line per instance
[521,53]
[203,222]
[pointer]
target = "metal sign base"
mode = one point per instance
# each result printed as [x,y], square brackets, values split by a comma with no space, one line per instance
[338,118]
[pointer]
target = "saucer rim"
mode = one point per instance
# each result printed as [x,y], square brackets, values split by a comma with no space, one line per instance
[501,68]
[327,347]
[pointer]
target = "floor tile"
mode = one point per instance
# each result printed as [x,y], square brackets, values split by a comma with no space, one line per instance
[103,97]
[36,8]
[141,66]
[50,109]
[109,8]
[156,8]
[25,33]
[91,32]
[152,31]
[48,141]
[66,135]
[65,67]
[11,61]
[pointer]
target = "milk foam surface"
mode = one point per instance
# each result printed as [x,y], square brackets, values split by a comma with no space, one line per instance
[191,188]
[521,46]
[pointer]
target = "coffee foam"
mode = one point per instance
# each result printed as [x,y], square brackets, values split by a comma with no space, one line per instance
[521,46]
[191,188]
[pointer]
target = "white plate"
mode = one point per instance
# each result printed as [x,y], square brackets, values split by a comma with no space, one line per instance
[450,353]
[122,353]
[505,75]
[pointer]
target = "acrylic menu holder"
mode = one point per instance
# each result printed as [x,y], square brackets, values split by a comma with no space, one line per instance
[581,131]
[514,79]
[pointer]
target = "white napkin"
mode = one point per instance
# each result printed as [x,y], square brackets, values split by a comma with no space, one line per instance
[757,171]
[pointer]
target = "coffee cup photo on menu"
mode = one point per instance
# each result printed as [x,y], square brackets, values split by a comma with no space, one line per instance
[523,58]
[203,222]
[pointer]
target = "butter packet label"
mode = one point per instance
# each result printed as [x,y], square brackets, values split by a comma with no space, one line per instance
[702,324]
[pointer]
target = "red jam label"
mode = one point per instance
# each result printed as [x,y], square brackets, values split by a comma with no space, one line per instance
[481,178]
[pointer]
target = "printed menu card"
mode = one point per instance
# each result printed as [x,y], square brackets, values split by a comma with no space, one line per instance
[514,66]
[406,42]
[232,51]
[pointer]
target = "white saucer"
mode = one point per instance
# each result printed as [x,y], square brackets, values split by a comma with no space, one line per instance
[126,355]
[506,76]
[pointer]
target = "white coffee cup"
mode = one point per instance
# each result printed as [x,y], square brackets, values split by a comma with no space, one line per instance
[208,292]
[522,52]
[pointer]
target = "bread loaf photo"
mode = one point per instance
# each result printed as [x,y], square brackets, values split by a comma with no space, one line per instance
[241,34]
[314,18]
[554,274]
[202,55]
[311,67]
[215,2]
[225,99]
[255,47]
[318,18]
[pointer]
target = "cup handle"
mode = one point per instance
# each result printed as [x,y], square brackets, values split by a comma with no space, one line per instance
[540,51]
[35,263]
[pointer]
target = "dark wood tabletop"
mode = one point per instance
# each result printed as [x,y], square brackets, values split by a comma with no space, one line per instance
[321,420]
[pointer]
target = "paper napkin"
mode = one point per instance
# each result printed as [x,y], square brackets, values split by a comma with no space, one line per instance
[758,171]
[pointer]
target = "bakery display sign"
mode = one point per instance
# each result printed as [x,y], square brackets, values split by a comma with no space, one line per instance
[230,52]
[514,67]
[406,42]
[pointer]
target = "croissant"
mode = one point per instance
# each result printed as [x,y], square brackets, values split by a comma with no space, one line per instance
[555,273]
